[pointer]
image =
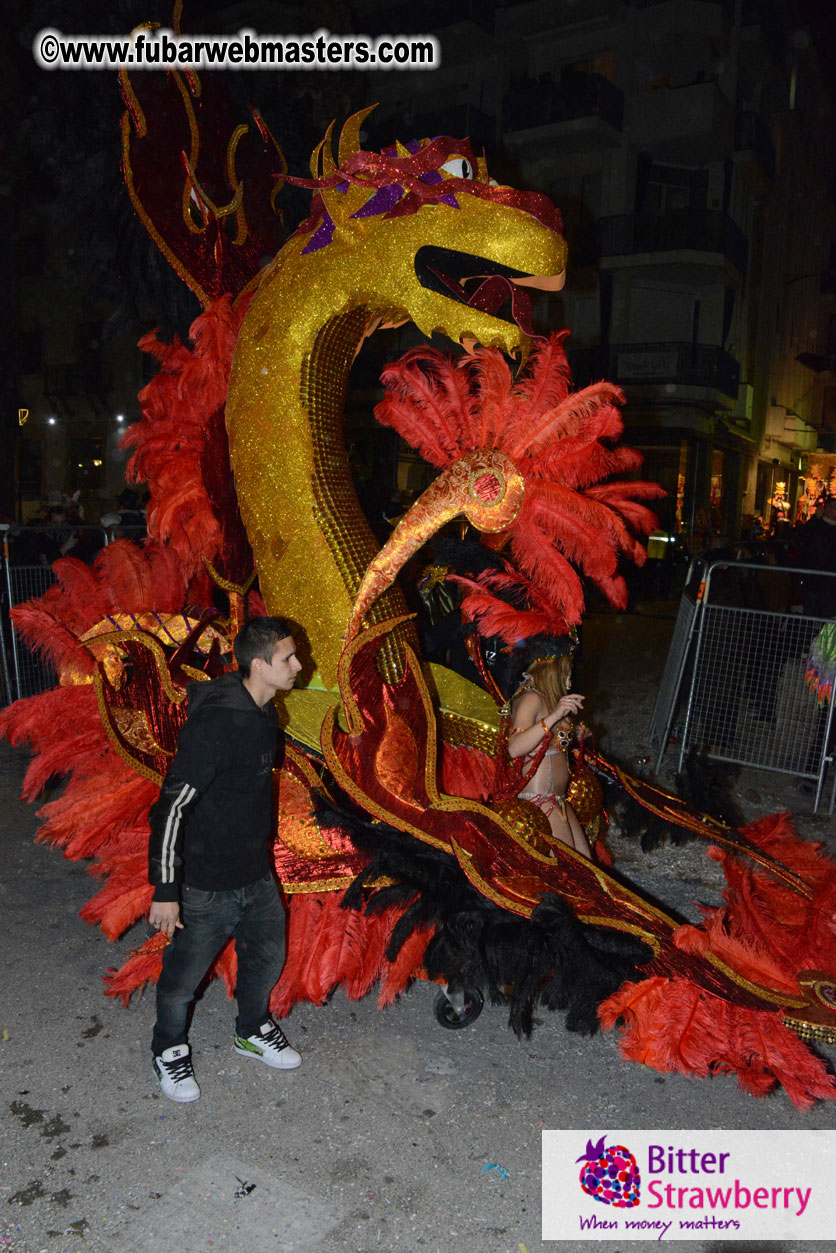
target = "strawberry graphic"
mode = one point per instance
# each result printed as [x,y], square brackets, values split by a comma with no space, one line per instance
[610,1175]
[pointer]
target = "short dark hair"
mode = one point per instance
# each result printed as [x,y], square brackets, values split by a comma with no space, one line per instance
[258,638]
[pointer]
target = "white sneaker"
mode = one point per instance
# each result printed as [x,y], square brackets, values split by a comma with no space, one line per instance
[268,1045]
[174,1070]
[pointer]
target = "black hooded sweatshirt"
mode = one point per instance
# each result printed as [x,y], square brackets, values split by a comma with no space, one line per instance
[213,824]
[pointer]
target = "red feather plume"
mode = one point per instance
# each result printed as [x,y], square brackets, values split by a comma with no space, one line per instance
[497,616]
[178,438]
[559,440]
[672,1025]
[329,946]
[767,933]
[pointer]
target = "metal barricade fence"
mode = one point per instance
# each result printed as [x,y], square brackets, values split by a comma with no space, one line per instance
[24,672]
[6,696]
[667,697]
[748,702]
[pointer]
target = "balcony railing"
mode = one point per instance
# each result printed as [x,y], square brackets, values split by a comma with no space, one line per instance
[463,121]
[704,230]
[727,5]
[751,135]
[577,95]
[397,19]
[690,365]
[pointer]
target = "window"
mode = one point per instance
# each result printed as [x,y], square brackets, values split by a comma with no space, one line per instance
[603,64]
[715,498]
[664,189]
[663,197]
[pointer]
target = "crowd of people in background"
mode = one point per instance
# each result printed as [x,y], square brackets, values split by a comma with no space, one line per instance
[65,527]
[805,546]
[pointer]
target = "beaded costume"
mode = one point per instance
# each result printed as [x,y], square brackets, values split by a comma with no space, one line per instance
[555,742]
[550,799]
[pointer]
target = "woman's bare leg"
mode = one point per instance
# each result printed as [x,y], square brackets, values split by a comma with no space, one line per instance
[569,830]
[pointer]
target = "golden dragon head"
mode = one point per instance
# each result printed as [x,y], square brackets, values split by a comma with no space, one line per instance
[419,232]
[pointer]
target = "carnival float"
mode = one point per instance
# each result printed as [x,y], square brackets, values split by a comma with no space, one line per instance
[402,849]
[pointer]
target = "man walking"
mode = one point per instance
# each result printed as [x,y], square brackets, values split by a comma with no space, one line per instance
[209,855]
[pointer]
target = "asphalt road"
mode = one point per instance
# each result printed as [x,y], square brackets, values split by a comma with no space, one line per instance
[393,1135]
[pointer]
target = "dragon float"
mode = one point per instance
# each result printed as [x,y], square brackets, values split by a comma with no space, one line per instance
[397,856]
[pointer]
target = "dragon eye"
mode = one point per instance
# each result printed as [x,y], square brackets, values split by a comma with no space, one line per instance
[459,167]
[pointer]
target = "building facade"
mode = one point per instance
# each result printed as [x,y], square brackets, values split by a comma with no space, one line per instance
[689,147]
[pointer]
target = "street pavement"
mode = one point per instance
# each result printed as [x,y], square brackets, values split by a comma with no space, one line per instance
[393,1135]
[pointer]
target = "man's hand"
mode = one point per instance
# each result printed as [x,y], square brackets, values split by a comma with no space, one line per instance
[165,916]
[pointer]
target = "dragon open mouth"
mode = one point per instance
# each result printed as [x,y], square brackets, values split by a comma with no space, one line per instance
[480,283]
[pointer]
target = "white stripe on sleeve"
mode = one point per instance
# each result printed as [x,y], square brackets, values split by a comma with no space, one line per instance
[172,826]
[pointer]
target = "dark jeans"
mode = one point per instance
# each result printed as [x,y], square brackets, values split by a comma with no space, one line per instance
[255,916]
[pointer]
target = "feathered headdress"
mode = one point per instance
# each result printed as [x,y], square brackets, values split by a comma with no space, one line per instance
[546,453]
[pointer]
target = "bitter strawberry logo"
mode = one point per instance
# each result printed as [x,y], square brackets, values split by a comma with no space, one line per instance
[610,1175]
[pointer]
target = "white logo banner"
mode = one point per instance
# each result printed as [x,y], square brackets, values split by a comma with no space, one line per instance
[688,1185]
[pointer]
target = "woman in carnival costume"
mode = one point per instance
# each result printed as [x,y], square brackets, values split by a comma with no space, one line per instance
[541,733]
